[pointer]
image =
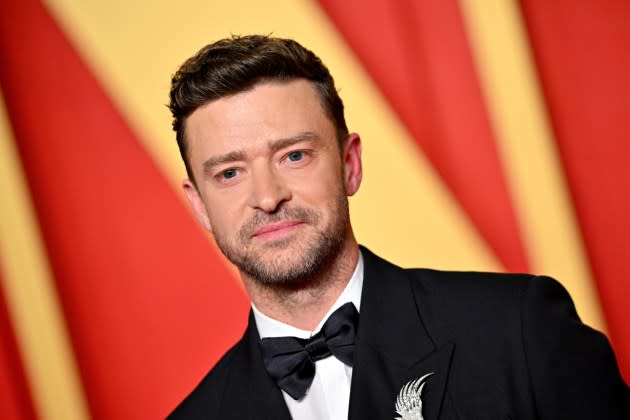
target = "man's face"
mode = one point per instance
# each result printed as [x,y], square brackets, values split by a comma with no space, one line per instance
[272,181]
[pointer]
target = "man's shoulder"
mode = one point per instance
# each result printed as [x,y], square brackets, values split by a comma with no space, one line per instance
[469,278]
[457,299]
[491,292]
[467,284]
[458,284]
[208,394]
[489,288]
[462,299]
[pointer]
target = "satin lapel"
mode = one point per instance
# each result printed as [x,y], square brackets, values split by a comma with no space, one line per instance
[393,346]
[250,392]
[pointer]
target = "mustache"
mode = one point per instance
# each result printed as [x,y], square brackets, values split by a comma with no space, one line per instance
[260,219]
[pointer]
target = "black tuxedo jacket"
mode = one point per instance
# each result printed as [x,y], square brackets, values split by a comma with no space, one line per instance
[500,346]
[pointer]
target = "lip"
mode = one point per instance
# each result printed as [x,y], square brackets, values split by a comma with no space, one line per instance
[277,229]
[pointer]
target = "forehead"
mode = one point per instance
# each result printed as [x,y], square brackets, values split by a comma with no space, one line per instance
[253,118]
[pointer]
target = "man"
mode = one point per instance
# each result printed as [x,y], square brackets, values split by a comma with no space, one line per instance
[336,332]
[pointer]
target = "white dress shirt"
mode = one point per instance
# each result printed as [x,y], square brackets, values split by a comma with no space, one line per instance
[329,395]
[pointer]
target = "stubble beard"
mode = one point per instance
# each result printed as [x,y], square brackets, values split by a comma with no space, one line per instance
[306,262]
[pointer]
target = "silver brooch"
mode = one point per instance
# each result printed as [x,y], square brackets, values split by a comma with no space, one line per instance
[409,403]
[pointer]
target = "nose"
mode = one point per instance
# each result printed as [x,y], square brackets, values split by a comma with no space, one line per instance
[269,190]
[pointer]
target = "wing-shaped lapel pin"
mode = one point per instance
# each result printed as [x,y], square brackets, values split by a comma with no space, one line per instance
[409,403]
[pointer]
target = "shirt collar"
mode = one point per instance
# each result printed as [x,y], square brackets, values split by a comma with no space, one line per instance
[269,327]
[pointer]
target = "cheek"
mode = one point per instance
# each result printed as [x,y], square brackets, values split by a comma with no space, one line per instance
[221,217]
[319,191]
[321,183]
[222,213]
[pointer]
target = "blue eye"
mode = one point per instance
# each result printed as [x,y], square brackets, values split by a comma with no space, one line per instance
[229,173]
[295,156]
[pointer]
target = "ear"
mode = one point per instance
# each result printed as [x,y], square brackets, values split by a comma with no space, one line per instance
[352,170]
[197,204]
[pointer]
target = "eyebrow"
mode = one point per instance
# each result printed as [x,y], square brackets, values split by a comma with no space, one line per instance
[273,147]
[279,144]
[214,161]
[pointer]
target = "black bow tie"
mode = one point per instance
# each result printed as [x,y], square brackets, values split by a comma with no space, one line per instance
[291,361]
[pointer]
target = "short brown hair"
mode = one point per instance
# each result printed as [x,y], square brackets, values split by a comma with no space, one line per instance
[237,64]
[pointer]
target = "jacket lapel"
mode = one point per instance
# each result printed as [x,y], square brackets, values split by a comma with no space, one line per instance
[393,346]
[250,392]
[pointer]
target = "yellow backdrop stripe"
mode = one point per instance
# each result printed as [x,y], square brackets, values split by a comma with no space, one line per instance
[31,297]
[526,144]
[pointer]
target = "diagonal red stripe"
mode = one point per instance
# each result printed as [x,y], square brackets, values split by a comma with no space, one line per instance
[15,397]
[148,302]
[417,53]
[581,50]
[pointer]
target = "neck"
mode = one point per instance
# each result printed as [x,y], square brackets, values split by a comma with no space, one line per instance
[304,307]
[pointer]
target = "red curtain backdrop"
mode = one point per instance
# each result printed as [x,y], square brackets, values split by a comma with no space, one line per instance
[581,53]
[150,304]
